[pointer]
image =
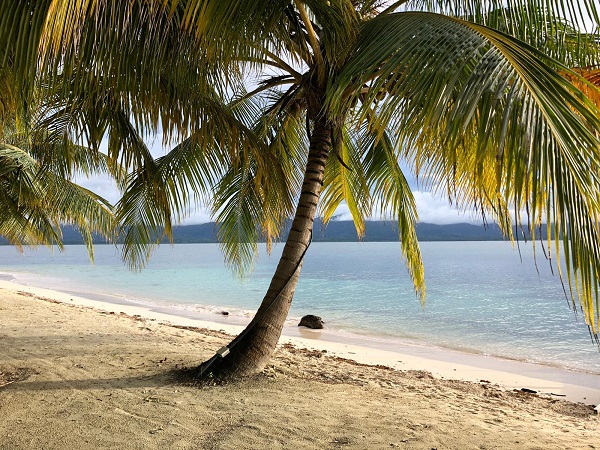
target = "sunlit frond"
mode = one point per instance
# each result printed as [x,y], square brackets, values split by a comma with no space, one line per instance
[256,195]
[591,88]
[344,181]
[491,118]
[392,193]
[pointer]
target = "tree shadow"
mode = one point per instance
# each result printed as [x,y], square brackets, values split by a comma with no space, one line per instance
[171,377]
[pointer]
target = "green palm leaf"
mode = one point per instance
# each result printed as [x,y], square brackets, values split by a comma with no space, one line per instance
[345,181]
[391,191]
[35,202]
[492,119]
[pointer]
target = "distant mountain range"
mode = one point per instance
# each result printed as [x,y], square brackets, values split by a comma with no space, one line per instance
[335,231]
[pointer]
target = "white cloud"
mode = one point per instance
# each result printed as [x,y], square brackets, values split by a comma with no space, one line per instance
[433,209]
[101,185]
[197,216]
[343,212]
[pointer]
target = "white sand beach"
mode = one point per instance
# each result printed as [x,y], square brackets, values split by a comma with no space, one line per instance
[77,373]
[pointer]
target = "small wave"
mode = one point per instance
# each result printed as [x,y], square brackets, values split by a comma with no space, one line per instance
[5,276]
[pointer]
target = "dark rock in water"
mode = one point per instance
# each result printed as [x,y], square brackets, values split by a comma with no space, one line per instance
[225,313]
[310,321]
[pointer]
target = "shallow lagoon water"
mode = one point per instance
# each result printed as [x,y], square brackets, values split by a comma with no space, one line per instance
[480,297]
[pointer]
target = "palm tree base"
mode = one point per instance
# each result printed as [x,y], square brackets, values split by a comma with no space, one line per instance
[245,359]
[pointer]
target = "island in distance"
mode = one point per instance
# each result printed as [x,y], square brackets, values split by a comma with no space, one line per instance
[335,231]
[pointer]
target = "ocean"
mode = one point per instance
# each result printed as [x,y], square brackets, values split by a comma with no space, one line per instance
[482,297]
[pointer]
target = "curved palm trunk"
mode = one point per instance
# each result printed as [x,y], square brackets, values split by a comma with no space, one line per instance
[252,349]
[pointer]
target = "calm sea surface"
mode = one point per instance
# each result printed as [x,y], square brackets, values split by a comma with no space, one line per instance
[480,296]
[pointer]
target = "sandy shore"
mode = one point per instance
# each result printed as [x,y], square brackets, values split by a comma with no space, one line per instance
[440,362]
[76,377]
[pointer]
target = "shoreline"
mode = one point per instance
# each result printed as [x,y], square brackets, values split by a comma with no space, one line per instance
[521,320]
[547,381]
[212,314]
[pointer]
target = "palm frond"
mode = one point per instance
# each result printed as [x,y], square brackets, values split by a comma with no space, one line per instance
[498,125]
[232,164]
[255,197]
[391,191]
[35,202]
[529,20]
[591,86]
[566,30]
[345,181]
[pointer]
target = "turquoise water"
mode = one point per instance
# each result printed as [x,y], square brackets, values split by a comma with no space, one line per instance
[480,296]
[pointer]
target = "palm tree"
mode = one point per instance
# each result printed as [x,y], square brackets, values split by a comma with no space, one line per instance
[37,194]
[310,103]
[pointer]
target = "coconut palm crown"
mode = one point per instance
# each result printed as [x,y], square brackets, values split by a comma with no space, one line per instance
[289,108]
